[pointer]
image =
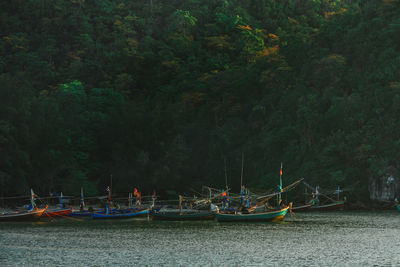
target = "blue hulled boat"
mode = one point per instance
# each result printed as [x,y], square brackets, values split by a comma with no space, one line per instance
[121,215]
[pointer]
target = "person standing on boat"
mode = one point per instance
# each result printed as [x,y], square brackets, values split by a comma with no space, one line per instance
[314,200]
[242,195]
[137,194]
[225,199]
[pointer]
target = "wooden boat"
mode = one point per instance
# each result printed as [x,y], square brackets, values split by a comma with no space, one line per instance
[22,216]
[57,212]
[87,213]
[183,216]
[274,215]
[337,205]
[121,215]
[305,207]
[81,213]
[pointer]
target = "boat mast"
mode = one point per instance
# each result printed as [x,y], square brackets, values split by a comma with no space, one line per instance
[82,200]
[180,204]
[241,175]
[33,200]
[280,186]
[226,176]
[109,200]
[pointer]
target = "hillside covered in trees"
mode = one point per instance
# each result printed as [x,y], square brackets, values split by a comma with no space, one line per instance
[167,94]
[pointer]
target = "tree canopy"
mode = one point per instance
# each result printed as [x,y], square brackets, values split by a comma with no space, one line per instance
[164,94]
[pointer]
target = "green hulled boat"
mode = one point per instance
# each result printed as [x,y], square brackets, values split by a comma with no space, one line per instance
[274,215]
[398,207]
[183,216]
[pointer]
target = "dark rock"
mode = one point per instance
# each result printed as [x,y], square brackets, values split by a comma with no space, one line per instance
[386,187]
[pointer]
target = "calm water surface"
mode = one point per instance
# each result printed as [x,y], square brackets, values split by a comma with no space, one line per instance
[310,239]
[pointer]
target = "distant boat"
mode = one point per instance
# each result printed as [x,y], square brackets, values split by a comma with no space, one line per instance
[314,204]
[305,207]
[183,216]
[22,216]
[273,215]
[33,214]
[57,212]
[337,205]
[121,215]
[87,213]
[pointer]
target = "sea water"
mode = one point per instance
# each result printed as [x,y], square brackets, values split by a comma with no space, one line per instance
[307,239]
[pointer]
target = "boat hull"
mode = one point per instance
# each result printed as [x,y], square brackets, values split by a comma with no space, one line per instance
[398,207]
[22,216]
[306,207]
[176,216]
[57,213]
[327,207]
[339,205]
[125,215]
[86,213]
[276,215]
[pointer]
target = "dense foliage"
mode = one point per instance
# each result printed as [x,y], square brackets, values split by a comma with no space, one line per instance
[169,94]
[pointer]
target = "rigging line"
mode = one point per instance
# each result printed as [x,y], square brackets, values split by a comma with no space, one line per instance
[309,186]
[27,196]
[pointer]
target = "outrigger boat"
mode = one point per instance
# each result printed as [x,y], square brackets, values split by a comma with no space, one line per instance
[262,211]
[183,216]
[61,212]
[315,205]
[31,215]
[82,212]
[121,215]
[337,205]
[268,216]
[57,212]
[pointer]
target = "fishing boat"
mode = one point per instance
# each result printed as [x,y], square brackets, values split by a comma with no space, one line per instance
[262,211]
[305,207]
[121,215]
[33,215]
[337,205]
[183,216]
[195,211]
[315,204]
[268,216]
[85,213]
[62,212]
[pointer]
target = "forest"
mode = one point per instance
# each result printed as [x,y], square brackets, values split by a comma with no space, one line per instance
[172,95]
